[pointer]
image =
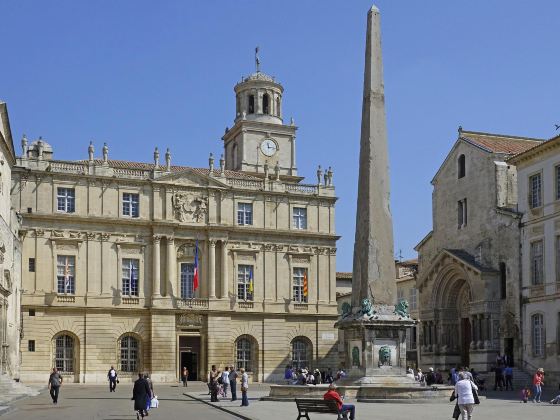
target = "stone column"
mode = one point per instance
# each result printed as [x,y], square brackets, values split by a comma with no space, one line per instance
[171,262]
[211,268]
[225,283]
[156,292]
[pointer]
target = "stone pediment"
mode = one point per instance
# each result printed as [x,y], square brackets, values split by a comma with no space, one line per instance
[189,177]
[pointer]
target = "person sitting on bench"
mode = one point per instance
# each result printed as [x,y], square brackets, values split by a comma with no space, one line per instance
[331,394]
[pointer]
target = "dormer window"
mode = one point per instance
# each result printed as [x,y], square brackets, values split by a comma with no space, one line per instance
[461,166]
[251,104]
[266,104]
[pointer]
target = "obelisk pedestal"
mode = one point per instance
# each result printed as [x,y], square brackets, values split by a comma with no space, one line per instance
[374,329]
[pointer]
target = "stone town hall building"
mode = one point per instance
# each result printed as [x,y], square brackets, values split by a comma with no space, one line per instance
[109,257]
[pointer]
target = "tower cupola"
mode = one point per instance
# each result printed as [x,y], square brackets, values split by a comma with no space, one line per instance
[259,97]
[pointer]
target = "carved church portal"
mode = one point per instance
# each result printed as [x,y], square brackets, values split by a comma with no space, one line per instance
[463,309]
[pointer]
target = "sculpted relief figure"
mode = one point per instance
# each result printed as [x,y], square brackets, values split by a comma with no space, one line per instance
[190,208]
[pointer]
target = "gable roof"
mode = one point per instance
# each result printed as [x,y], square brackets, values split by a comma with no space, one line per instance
[501,144]
[534,151]
[125,164]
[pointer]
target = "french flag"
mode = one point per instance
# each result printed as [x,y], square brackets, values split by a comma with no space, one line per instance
[195,277]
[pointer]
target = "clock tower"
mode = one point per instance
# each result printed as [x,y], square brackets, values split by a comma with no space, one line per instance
[259,135]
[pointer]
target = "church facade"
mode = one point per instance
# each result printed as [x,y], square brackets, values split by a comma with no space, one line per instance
[10,258]
[469,265]
[113,251]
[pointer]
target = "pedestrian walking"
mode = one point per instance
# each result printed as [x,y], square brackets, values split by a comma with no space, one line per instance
[225,381]
[244,388]
[508,371]
[151,394]
[112,377]
[538,382]
[233,383]
[213,384]
[55,382]
[464,390]
[185,376]
[140,394]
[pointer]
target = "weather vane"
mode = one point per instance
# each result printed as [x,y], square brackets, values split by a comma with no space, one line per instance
[257,60]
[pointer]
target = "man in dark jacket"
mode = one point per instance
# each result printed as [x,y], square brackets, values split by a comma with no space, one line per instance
[430,377]
[55,382]
[140,394]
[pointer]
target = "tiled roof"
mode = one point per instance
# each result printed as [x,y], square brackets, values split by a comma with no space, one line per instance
[125,164]
[541,147]
[498,143]
[344,275]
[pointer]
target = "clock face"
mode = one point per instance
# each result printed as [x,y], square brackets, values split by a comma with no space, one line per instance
[268,147]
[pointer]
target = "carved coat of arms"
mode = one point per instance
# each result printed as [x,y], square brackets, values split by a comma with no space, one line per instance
[190,207]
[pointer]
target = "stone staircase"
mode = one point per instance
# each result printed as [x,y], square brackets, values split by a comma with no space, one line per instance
[11,390]
[520,379]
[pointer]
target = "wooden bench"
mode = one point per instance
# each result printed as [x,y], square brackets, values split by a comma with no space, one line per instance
[308,405]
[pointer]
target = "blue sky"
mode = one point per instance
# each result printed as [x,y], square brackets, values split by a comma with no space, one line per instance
[137,74]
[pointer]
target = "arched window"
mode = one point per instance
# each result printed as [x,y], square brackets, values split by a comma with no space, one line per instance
[64,353]
[251,104]
[237,105]
[129,354]
[266,104]
[300,353]
[538,333]
[278,106]
[461,166]
[244,354]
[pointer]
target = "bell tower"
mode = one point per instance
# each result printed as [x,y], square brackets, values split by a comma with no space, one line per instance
[259,135]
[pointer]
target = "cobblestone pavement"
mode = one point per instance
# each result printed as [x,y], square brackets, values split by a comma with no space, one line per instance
[84,402]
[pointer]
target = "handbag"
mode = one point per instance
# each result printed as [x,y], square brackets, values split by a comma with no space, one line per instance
[453,397]
[475,396]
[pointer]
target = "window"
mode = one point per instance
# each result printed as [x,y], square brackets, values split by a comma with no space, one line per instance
[266,104]
[244,214]
[251,104]
[537,322]
[130,277]
[64,353]
[31,265]
[243,347]
[300,353]
[131,205]
[129,354]
[66,200]
[31,345]
[277,107]
[65,269]
[462,213]
[503,280]
[557,250]
[400,295]
[245,282]
[32,312]
[461,166]
[557,170]
[234,155]
[536,256]
[187,281]
[535,199]
[413,298]
[300,218]
[300,290]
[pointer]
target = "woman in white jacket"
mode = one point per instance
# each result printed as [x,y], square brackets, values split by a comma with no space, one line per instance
[464,392]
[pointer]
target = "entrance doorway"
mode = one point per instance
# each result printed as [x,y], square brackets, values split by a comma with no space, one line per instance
[189,351]
[465,341]
[508,351]
[190,361]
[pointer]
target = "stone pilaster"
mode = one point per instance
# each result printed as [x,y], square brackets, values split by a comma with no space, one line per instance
[156,292]
[211,268]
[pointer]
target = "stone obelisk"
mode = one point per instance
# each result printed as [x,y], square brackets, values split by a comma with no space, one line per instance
[374,266]
[374,328]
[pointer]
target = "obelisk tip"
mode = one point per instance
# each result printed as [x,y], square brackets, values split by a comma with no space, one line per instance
[374,9]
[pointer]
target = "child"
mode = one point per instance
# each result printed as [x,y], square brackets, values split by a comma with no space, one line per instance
[525,394]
